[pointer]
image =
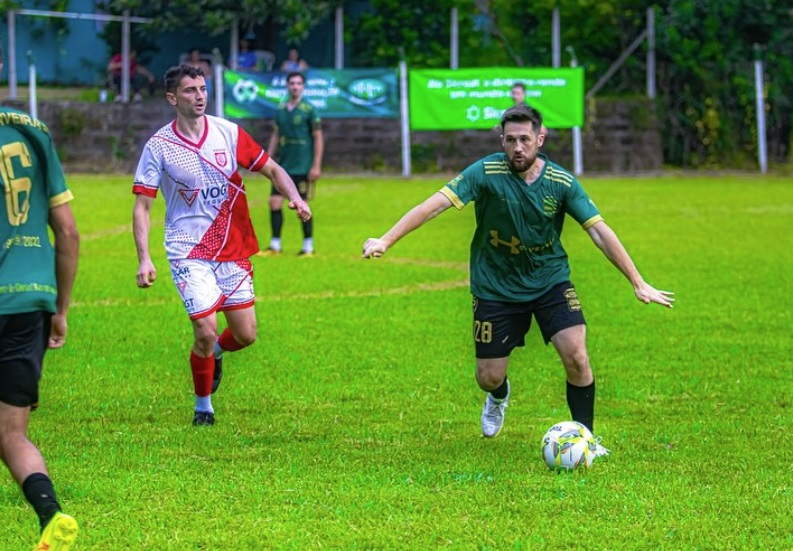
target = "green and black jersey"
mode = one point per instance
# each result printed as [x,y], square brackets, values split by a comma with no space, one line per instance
[296,128]
[516,252]
[33,183]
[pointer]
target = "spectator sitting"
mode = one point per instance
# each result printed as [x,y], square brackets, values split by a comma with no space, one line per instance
[246,58]
[138,75]
[293,62]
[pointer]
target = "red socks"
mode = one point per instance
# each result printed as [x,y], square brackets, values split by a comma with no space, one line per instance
[227,342]
[203,369]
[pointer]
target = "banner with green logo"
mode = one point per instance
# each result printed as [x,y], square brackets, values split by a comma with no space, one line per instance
[445,99]
[352,93]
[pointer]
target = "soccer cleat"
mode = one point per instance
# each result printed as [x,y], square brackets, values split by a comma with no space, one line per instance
[269,251]
[59,535]
[217,376]
[203,419]
[305,254]
[600,451]
[493,415]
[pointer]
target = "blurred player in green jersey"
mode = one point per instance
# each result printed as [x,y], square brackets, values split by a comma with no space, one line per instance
[35,287]
[298,144]
[519,268]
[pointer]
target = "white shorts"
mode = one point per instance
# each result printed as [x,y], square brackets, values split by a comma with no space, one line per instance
[207,286]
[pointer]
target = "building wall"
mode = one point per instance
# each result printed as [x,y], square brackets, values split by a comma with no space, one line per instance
[620,137]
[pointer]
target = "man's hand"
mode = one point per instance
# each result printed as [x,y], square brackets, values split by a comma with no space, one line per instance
[303,211]
[147,273]
[647,294]
[314,174]
[374,248]
[58,331]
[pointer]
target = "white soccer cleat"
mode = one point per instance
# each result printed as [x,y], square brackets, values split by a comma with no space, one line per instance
[600,451]
[493,415]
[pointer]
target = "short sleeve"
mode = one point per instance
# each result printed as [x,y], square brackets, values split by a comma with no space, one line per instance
[315,120]
[56,181]
[465,187]
[250,155]
[580,206]
[149,172]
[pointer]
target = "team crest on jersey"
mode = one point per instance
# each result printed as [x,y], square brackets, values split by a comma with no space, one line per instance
[189,196]
[221,158]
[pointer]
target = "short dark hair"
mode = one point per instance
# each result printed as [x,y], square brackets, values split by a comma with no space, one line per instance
[174,76]
[522,113]
[519,85]
[296,74]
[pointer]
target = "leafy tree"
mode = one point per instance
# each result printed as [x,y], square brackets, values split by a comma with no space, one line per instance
[706,83]
[295,18]
[388,30]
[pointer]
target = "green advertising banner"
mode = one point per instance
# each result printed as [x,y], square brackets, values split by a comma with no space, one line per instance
[463,99]
[353,93]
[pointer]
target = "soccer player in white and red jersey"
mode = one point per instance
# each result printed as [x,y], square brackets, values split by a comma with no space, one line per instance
[195,162]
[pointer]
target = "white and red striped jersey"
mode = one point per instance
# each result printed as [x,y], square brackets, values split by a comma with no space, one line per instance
[206,211]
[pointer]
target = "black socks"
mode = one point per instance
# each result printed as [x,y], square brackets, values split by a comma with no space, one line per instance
[581,401]
[501,392]
[40,494]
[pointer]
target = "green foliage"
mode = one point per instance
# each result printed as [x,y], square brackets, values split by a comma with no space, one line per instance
[353,422]
[706,53]
[216,17]
[45,27]
[390,30]
[72,122]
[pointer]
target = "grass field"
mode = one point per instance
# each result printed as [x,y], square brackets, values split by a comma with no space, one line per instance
[353,422]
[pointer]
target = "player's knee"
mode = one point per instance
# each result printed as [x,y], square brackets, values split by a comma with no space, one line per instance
[246,339]
[205,344]
[489,380]
[576,362]
[244,336]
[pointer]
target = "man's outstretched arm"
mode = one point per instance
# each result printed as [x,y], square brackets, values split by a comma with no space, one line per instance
[608,242]
[415,218]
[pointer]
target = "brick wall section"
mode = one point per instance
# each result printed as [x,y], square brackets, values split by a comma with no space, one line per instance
[620,137]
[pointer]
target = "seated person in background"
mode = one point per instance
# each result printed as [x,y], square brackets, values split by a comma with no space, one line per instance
[293,62]
[138,75]
[246,59]
[194,60]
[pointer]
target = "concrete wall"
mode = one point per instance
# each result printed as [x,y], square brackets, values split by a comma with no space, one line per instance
[620,137]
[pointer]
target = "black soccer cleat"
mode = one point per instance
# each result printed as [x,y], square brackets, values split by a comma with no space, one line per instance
[203,419]
[218,375]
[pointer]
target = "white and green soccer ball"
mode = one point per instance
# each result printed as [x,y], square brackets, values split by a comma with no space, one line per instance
[567,446]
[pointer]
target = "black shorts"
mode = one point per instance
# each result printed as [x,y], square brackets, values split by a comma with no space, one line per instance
[499,326]
[304,187]
[23,341]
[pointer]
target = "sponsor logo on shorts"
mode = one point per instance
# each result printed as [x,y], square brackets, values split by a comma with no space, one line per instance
[573,304]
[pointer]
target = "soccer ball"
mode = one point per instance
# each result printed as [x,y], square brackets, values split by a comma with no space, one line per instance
[567,446]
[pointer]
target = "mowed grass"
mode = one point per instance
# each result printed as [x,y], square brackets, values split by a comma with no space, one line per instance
[353,422]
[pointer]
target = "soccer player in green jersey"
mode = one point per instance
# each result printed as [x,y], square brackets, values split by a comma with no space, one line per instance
[35,288]
[519,268]
[297,139]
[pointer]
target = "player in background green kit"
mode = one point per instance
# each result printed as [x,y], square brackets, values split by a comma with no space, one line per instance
[298,143]
[35,288]
[519,268]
